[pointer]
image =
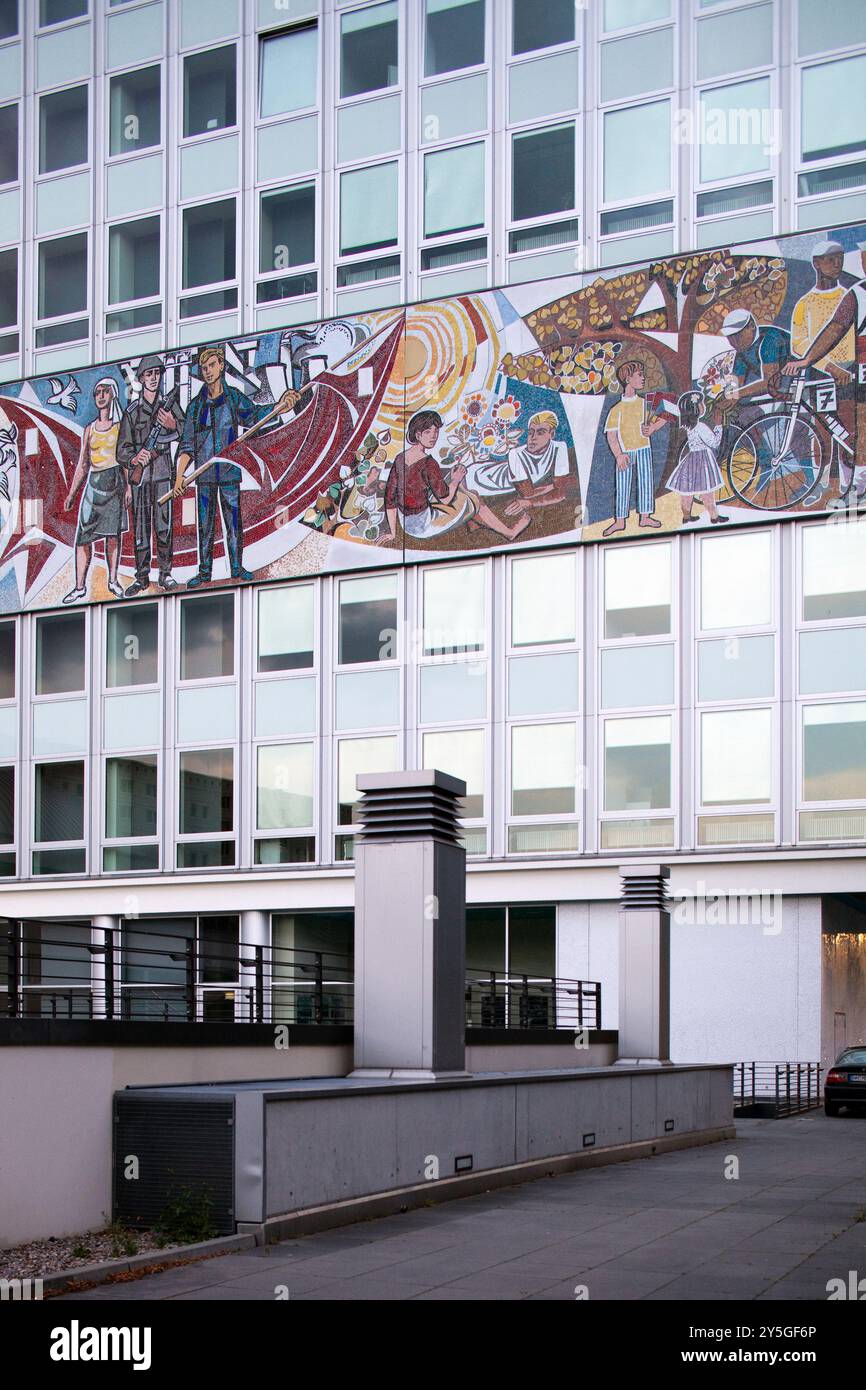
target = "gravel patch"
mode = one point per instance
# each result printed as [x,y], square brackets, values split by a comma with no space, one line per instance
[57,1253]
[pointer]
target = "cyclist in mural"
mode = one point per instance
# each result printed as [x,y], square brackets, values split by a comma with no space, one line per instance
[147,431]
[628,435]
[106,496]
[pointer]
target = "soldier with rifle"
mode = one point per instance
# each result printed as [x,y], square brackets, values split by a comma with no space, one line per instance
[147,431]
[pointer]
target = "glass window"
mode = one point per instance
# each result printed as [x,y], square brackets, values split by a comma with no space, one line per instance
[834,752]
[637,764]
[209,243]
[286,628]
[822,26]
[637,591]
[63,276]
[454,190]
[543,684]
[133,260]
[838,179]
[7,661]
[59,802]
[284,787]
[63,129]
[622,14]
[632,676]
[368,49]
[59,653]
[460,752]
[454,35]
[736,668]
[131,797]
[367,699]
[543,172]
[831,127]
[632,220]
[737,130]
[8,19]
[453,610]
[356,756]
[747,195]
[56,11]
[833,660]
[206,791]
[7,807]
[485,939]
[368,619]
[543,600]
[637,151]
[640,63]
[287,234]
[733,41]
[532,945]
[543,769]
[9,143]
[542,26]
[134,111]
[736,757]
[736,581]
[132,645]
[834,572]
[453,691]
[9,299]
[288,71]
[368,209]
[207,637]
[209,91]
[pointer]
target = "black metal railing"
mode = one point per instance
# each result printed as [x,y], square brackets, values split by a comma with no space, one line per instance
[776,1088]
[499,1000]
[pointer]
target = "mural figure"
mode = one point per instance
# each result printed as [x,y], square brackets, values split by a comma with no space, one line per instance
[697,474]
[816,307]
[150,426]
[101,515]
[760,355]
[533,470]
[628,436]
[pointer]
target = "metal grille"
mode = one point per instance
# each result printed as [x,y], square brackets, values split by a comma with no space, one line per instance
[185,1151]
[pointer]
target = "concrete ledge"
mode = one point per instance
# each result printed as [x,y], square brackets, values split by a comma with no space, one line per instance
[30,1032]
[68,1279]
[323,1218]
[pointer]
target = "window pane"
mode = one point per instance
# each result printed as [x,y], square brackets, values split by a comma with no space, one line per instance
[63,276]
[209,244]
[206,791]
[736,668]
[736,130]
[830,126]
[637,591]
[288,228]
[286,616]
[543,769]
[622,14]
[356,756]
[220,956]
[637,764]
[368,619]
[130,797]
[59,802]
[8,18]
[543,167]
[454,35]
[736,757]
[822,26]
[367,699]
[284,787]
[722,200]
[59,653]
[289,69]
[485,938]
[633,676]
[133,260]
[454,190]
[834,752]
[207,637]
[543,600]
[637,151]
[209,90]
[731,42]
[542,26]
[640,63]
[736,581]
[368,50]
[532,941]
[460,752]
[834,572]
[543,684]
[134,115]
[454,610]
[837,179]
[63,129]
[368,209]
[8,143]
[453,692]
[834,660]
[7,807]
[55,11]
[131,645]
[7,661]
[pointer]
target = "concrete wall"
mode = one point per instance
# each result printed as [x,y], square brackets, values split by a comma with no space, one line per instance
[843,995]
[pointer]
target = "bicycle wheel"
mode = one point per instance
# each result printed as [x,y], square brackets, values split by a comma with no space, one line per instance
[775,462]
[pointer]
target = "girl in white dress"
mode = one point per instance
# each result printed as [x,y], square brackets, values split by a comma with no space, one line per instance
[697,474]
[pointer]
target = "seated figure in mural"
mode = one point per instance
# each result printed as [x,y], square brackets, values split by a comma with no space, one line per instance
[628,436]
[535,471]
[106,497]
[425,501]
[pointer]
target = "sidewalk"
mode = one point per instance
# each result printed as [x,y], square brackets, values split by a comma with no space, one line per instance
[672,1227]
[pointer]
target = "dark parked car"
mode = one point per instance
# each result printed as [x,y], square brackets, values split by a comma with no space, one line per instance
[845,1083]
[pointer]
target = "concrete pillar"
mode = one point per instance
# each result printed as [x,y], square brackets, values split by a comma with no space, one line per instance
[255,931]
[410,927]
[644,966]
[103,930]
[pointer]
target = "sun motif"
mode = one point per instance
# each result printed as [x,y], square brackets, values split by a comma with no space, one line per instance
[474,408]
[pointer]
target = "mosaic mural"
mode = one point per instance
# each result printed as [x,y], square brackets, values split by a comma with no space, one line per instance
[725,386]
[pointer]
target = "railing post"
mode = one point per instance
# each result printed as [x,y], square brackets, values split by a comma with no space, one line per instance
[320,995]
[190,980]
[525,999]
[109,972]
[259,987]
[13,969]
[551,1022]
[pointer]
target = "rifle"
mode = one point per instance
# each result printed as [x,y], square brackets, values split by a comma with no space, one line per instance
[156,430]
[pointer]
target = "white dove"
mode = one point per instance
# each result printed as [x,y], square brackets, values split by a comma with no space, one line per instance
[64,395]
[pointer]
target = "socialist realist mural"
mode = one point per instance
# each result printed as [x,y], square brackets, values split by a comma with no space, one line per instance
[721,387]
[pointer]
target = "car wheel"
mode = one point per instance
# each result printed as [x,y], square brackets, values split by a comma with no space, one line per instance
[831,1107]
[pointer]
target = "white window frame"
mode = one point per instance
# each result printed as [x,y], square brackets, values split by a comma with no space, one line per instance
[348,260]
[130,841]
[261,277]
[263,36]
[41,846]
[483,66]
[127,305]
[160,146]
[207,837]
[188,141]
[67,169]
[196,291]
[57,320]
[373,93]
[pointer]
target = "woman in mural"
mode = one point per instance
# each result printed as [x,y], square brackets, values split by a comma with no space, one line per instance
[427,503]
[106,497]
[697,474]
